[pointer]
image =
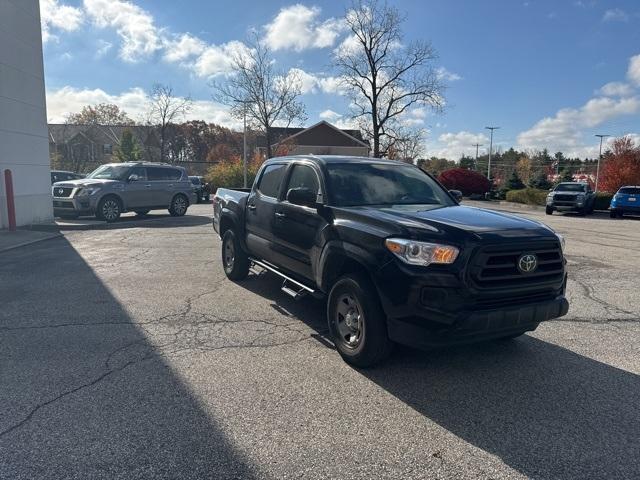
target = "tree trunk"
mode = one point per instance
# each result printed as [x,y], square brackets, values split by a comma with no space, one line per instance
[268,139]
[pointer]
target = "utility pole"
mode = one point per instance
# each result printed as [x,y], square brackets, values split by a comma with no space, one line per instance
[477,145]
[244,146]
[490,150]
[599,158]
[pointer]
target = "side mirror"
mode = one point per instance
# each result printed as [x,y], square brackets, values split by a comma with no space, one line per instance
[302,196]
[133,177]
[457,194]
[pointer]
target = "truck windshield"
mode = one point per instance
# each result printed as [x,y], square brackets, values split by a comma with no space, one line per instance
[110,172]
[570,187]
[354,184]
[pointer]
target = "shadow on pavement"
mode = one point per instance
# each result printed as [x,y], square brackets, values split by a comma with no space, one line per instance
[544,410]
[152,220]
[83,393]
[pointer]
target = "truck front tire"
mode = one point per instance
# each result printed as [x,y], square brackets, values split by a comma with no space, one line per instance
[357,322]
[549,210]
[234,259]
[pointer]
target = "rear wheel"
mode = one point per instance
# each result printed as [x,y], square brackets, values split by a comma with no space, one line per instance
[178,206]
[234,259]
[357,322]
[109,209]
[549,211]
[613,213]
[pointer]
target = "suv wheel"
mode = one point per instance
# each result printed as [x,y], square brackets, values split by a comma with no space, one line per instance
[549,211]
[109,209]
[179,206]
[234,259]
[356,321]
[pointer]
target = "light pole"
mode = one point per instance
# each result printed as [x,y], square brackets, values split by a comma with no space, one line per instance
[490,150]
[599,158]
[244,145]
[477,145]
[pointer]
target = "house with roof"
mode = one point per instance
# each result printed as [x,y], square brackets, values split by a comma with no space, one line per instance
[322,138]
[82,148]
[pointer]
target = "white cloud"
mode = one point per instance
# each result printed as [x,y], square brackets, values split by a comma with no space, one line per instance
[616,89]
[55,15]
[135,102]
[218,59]
[564,131]
[297,27]
[633,73]
[446,75]
[615,15]
[453,145]
[183,47]
[103,48]
[135,26]
[308,82]
[329,115]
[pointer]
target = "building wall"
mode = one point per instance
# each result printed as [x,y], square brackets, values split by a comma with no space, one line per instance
[329,150]
[24,146]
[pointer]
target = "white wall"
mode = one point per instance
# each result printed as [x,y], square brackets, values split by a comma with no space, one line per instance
[24,147]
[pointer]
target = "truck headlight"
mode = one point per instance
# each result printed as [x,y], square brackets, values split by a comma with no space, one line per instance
[421,253]
[85,192]
[562,241]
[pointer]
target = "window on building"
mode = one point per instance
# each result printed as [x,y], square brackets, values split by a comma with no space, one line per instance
[107,149]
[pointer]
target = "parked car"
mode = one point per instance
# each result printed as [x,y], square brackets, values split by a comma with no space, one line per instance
[120,187]
[394,254]
[61,176]
[200,188]
[571,197]
[626,200]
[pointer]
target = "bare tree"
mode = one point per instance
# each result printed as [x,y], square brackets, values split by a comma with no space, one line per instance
[266,96]
[166,109]
[408,144]
[385,76]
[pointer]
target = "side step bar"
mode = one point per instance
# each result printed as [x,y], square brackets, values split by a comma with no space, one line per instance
[291,287]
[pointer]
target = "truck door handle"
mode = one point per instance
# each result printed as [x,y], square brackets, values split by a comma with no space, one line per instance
[251,206]
[280,215]
[148,185]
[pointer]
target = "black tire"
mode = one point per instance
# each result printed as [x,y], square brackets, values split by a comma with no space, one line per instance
[512,336]
[357,322]
[142,213]
[613,214]
[179,205]
[549,210]
[235,260]
[109,209]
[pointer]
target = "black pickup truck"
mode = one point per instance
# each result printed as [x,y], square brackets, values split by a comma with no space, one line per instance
[392,251]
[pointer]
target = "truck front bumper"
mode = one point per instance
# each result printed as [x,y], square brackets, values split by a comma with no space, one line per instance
[475,326]
[73,206]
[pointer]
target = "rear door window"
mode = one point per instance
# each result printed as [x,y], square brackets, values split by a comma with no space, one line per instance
[141,172]
[271,179]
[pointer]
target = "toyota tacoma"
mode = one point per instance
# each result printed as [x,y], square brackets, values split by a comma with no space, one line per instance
[393,253]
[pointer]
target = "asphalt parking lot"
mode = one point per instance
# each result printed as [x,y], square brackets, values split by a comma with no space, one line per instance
[125,353]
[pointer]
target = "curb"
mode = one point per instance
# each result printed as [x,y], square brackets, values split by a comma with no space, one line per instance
[29,242]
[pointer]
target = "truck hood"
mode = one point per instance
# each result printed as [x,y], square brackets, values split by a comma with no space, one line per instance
[487,224]
[85,182]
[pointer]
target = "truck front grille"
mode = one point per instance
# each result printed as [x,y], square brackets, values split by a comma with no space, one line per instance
[496,267]
[61,192]
[565,198]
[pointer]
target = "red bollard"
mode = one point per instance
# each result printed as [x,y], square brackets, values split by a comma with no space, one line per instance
[11,204]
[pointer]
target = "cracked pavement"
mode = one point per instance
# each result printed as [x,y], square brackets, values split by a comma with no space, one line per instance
[125,353]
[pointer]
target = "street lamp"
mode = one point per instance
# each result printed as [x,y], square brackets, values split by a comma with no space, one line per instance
[599,158]
[244,139]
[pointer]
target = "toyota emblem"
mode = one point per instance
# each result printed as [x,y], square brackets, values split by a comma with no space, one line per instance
[527,263]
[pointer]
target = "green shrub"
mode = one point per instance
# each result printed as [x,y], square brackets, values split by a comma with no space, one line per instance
[603,199]
[229,174]
[530,196]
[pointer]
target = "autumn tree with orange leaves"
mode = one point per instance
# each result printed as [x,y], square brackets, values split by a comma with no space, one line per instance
[621,166]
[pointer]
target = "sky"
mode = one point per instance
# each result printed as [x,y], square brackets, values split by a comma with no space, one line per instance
[550,73]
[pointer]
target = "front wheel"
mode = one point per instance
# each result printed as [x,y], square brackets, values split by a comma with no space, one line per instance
[109,209]
[549,211]
[178,206]
[357,322]
[234,259]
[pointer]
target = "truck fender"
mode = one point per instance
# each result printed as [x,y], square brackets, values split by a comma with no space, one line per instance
[230,219]
[336,255]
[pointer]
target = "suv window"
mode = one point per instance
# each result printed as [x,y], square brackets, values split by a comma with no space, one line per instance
[141,172]
[270,180]
[303,176]
[163,173]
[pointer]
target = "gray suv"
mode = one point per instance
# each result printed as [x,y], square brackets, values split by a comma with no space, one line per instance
[571,197]
[120,187]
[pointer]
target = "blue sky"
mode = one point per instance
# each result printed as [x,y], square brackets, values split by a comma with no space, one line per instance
[550,73]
